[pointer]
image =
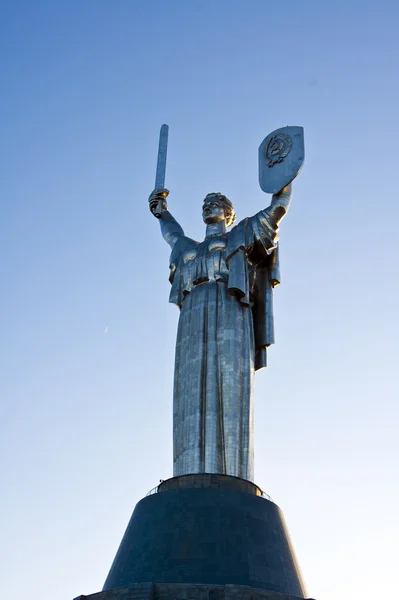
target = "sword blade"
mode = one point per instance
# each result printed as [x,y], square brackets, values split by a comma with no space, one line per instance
[161,163]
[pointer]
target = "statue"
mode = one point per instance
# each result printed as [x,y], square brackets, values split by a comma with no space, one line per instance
[223,287]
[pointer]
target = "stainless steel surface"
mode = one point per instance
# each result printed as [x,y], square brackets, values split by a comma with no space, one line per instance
[156,208]
[162,154]
[223,286]
[281,156]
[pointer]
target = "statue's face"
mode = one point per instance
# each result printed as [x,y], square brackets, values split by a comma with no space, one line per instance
[213,210]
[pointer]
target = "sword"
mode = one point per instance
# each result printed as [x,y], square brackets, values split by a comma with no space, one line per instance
[161,166]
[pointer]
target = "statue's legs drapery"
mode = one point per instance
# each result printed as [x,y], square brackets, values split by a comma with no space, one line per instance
[213,385]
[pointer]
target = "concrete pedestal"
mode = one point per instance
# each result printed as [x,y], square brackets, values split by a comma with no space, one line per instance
[204,537]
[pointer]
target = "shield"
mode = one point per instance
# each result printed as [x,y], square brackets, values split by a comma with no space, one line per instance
[281,156]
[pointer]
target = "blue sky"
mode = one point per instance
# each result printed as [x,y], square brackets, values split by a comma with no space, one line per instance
[86,413]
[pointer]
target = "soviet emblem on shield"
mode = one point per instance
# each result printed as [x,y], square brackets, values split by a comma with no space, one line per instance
[281,156]
[278,148]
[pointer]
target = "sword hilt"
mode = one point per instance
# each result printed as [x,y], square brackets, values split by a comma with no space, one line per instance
[157,201]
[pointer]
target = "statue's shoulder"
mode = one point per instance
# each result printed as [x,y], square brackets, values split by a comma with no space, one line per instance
[186,243]
[236,235]
[182,245]
[240,225]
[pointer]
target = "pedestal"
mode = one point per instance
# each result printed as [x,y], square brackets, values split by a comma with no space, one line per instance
[204,537]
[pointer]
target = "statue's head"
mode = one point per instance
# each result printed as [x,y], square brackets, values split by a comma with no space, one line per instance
[217,208]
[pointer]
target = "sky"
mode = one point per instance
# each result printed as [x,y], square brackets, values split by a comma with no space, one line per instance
[86,358]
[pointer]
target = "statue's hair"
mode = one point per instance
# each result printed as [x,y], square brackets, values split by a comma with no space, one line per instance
[228,207]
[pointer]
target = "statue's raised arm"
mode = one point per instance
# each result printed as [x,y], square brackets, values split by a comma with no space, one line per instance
[279,205]
[258,234]
[170,228]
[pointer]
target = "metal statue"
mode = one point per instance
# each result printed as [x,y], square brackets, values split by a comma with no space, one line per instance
[224,287]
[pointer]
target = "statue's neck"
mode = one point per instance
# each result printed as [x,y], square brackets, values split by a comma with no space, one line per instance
[218,228]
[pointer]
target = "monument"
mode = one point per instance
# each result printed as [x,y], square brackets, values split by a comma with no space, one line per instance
[209,532]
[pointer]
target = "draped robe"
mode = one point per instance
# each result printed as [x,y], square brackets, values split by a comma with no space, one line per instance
[224,287]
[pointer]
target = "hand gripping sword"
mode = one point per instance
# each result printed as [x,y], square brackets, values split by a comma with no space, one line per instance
[161,166]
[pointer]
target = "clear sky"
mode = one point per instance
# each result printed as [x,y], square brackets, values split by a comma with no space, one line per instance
[87,350]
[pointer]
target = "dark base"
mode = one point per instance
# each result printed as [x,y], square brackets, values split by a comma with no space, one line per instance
[181,591]
[207,537]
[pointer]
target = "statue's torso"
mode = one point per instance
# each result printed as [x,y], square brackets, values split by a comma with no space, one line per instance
[206,261]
